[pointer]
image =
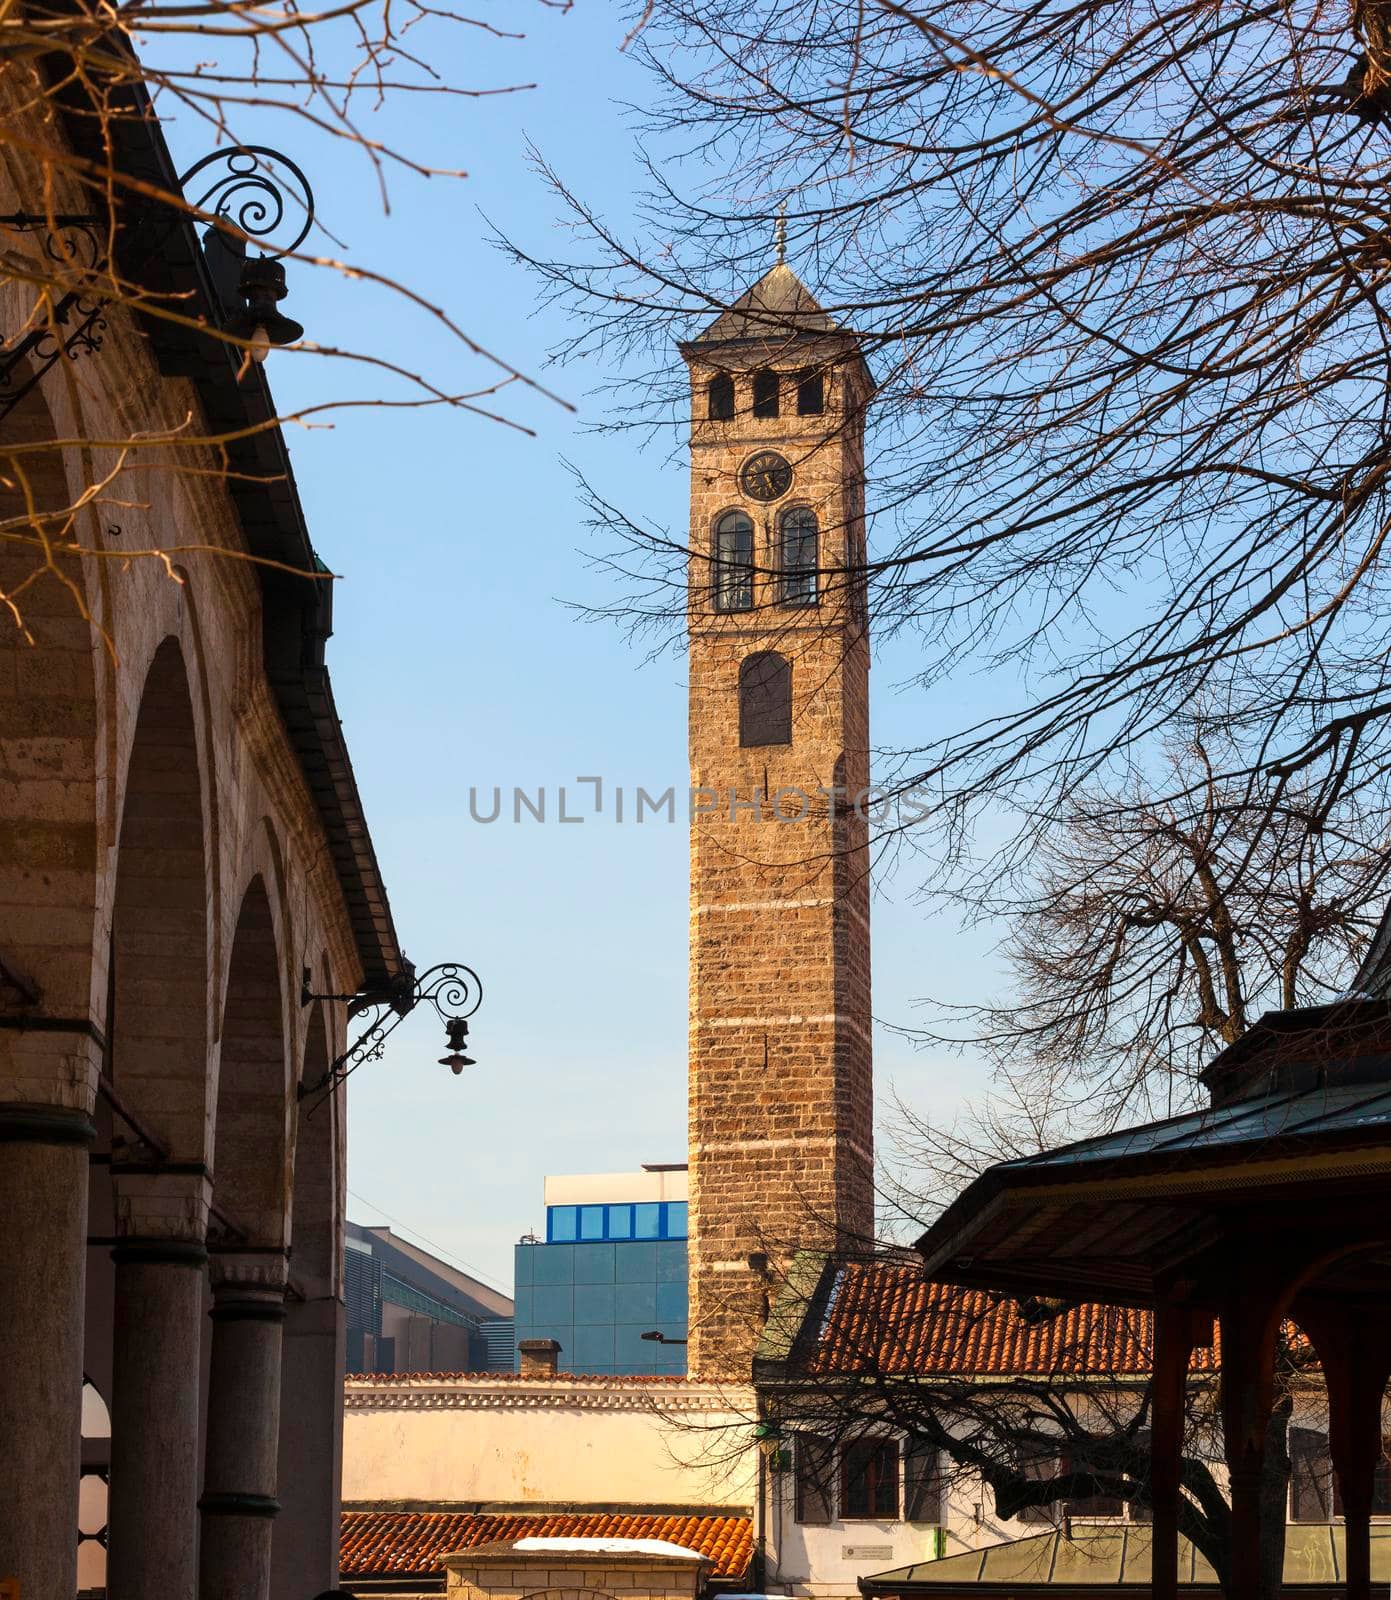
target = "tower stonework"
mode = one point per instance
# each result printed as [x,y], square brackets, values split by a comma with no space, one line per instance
[781,1089]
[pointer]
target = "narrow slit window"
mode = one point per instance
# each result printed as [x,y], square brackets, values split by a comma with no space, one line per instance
[734,563]
[799,556]
[765,699]
[765,393]
[720,398]
[811,394]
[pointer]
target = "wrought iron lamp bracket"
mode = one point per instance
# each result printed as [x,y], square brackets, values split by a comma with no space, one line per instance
[452,989]
[74,239]
[248,191]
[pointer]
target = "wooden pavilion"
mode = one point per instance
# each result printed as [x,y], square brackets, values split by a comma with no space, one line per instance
[1273,1202]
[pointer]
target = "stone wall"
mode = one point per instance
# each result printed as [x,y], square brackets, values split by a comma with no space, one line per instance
[512,1574]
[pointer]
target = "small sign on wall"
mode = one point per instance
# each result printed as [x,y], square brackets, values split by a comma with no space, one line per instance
[858,1552]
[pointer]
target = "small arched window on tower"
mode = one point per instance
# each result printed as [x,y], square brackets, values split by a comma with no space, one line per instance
[765,699]
[765,393]
[798,556]
[811,394]
[734,562]
[720,397]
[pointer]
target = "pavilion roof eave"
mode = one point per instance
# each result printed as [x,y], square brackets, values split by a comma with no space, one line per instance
[1102,1225]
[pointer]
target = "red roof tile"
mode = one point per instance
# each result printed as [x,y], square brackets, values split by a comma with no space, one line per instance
[382,1543]
[889,1317]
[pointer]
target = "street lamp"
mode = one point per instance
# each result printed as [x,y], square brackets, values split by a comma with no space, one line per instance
[250,195]
[452,989]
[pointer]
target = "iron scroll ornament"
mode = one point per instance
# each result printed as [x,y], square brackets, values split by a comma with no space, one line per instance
[249,195]
[453,990]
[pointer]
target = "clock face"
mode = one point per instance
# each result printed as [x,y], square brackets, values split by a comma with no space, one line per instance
[766,476]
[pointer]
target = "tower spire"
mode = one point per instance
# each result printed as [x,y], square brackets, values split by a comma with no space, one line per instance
[780,234]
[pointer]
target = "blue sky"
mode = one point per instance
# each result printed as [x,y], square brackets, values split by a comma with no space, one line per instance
[456,663]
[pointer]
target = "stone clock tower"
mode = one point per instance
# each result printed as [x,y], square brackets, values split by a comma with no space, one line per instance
[781,1091]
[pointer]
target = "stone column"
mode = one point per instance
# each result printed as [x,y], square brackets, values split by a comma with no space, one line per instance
[305,1555]
[43,1267]
[239,1500]
[161,1222]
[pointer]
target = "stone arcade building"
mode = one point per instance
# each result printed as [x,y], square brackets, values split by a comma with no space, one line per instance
[180,839]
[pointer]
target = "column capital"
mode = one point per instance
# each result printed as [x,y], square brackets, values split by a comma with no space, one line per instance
[249,1284]
[51,1061]
[168,1207]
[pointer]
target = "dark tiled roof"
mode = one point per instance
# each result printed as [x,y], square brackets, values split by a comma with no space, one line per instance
[889,1317]
[385,1543]
[777,306]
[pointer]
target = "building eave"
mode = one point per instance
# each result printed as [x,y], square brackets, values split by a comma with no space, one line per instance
[297,610]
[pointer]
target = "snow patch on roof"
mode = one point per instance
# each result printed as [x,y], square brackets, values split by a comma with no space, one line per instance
[611,1547]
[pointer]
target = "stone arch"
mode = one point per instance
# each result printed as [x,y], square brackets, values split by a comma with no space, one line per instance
[157,1017]
[145,1295]
[304,1551]
[248,1243]
[250,1143]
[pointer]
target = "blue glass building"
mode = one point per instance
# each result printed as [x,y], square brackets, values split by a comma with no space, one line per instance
[612,1267]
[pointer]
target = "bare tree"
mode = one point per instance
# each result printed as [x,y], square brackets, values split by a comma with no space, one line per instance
[1044,1407]
[1143,937]
[1120,275]
[90,220]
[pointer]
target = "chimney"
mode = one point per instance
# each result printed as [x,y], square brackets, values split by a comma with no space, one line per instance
[539,1357]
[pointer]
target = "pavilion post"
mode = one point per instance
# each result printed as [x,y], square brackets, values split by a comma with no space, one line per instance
[1173,1345]
[1352,1348]
[1250,1318]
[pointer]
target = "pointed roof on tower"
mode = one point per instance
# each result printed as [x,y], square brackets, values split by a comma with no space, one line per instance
[778,306]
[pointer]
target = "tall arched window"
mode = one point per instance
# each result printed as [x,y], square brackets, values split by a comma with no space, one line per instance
[798,556]
[765,393]
[765,699]
[811,394]
[734,562]
[720,397]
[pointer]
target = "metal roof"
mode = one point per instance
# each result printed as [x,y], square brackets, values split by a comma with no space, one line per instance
[1116,1555]
[1103,1217]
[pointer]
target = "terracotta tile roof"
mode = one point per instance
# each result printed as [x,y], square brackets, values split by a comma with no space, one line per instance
[382,1543]
[889,1317]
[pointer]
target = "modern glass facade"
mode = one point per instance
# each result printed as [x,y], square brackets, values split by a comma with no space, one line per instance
[598,1297]
[652,1219]
[612,1268]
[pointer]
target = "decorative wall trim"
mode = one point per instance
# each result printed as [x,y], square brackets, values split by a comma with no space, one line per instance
[422,1392]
